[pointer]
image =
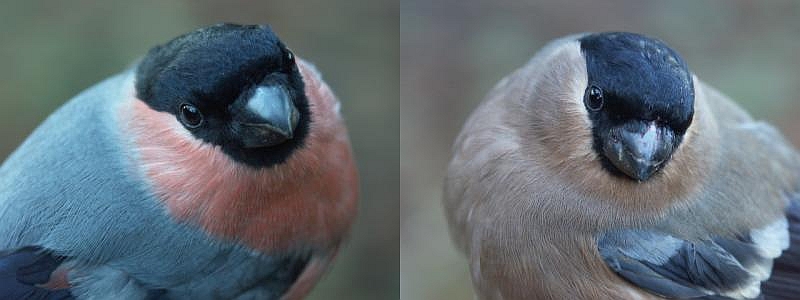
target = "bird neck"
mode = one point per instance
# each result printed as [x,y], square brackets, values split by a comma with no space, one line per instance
[307,202]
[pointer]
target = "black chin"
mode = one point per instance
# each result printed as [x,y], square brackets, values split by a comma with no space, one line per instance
[264,157]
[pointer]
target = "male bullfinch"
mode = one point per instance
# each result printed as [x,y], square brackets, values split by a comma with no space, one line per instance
[218,167]
[605,169]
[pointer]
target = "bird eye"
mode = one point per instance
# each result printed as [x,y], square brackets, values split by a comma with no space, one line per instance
[289,56]
[594,98]
[191,116]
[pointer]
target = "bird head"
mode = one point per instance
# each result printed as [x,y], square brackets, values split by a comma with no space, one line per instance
[640,100]
[237,135]
[233,86]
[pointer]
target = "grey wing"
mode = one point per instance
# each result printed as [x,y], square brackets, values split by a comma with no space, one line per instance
[715,268]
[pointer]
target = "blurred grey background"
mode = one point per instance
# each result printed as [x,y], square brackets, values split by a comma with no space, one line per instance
[51,50]
[454,51]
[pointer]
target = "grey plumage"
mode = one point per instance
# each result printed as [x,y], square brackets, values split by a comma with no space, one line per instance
[528,197]
[83,172]
[729,268]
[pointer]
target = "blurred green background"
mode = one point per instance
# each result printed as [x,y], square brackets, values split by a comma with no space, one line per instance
[454,51]
[51,50]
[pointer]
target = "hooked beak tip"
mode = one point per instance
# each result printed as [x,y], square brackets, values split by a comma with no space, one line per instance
[639,152]
[269,118]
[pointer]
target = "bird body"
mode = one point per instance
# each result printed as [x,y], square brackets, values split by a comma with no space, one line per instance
[138,203]
[543,212]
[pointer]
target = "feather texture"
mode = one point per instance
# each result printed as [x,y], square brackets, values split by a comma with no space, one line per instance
[128,230]
[527,197]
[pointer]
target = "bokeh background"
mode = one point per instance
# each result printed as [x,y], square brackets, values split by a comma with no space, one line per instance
[440,57]
[454,51]
[51,50]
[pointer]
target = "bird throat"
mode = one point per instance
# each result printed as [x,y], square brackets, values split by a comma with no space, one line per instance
[265,209]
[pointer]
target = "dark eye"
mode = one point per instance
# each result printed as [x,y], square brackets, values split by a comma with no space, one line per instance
[289,56]
[594,98]
[191,116]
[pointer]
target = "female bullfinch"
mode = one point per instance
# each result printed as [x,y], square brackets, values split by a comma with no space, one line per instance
[605,169]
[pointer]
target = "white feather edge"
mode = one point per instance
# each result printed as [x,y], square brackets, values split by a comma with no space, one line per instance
[771,240]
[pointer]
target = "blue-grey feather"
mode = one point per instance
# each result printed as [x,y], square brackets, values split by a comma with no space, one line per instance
[693,269]
[644,276]
[74,187]
[742,249]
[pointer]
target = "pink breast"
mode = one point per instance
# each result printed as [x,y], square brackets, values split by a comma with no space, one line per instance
[307,202]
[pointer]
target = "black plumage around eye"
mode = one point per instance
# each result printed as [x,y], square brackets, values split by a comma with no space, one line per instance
[594,98]
[191,116]
[289,55]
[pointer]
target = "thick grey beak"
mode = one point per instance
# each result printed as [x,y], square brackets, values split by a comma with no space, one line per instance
[268,118]
[639,150]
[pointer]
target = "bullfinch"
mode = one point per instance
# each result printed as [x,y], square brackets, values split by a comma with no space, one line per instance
[605,169]
[217,167]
